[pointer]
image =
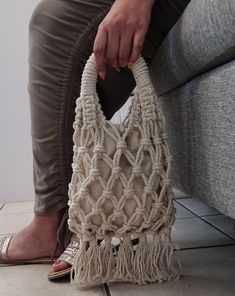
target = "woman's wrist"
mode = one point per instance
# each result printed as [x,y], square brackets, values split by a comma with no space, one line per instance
[147,3]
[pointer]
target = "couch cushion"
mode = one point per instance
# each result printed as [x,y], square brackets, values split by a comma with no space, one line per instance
[203,38]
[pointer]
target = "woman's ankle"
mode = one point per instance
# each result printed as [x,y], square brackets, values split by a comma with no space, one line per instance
[49,220]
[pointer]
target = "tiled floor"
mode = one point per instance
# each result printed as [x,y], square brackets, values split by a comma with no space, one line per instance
[206,241]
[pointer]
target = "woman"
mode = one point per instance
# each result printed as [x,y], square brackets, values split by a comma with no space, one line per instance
[62,35]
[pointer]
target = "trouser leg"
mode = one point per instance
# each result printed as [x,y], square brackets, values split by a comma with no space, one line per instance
[61,34]
[61,37]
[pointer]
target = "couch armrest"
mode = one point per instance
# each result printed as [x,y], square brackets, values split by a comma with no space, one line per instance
[203,38]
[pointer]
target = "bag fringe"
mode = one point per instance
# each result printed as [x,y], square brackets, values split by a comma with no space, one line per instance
[147,262]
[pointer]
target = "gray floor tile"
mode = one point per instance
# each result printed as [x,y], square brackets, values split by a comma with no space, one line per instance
[205,272]
[181,212]
[31,280]
[197,206]
[224,223]
[179,194]
[194,232]
[17,207]
[12,223]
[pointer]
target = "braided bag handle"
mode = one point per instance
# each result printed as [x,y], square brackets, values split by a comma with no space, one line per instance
[144,101]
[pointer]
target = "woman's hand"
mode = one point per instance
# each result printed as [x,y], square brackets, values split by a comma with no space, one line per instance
[121,34]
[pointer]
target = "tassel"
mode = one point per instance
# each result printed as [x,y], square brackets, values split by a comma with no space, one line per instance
[175,273]
[125,260]
[87,266]
[149,262]
[140,267]
[78,268]
[165,260]
[107,258]
[153,261]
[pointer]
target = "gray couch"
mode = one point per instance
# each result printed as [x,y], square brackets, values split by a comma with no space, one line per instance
[193,72]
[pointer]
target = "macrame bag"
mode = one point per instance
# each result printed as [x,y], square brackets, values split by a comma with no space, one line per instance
[121,188]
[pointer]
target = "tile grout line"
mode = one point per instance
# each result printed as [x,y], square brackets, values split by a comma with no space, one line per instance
[106,289]
[201,218]
[188,209]
[14,213]
[2,206]
[204,247]
[228,235]
[181,197]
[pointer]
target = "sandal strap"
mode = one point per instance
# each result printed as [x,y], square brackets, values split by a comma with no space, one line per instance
[4,244]
[69,253]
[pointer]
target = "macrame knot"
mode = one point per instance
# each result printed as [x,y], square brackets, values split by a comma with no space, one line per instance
[99,149]
[96,210]
[140,211]
[83,191]
[168,158]
[106,194]
[166,182]
[164,136]
[137,170]
[148,189]
[121,145]
[128,192]
[74,148]
[117,170]
[157,166]
[94,172]
[165,217]
[79,115]
[85,225]
[165,231]
[117,212]
[75,167]
[75,125]
[82,149]
[145,142]
[72,186]
[157,204]
[125,228]
[157,141]
[78,105]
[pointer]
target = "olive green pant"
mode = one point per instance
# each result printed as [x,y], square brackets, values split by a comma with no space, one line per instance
[61,37]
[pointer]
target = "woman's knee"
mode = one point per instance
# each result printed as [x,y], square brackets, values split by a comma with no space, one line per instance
[44,15]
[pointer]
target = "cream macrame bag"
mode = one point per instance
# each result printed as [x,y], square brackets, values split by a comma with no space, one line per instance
[121,188]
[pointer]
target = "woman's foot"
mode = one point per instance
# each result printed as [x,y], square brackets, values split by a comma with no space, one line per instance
[37,239]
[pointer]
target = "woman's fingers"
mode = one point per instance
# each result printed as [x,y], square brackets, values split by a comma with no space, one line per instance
[99,49]
[117,50]
[137,45]
[113,47]
[125,47]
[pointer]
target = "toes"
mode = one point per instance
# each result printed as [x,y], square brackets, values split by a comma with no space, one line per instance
[60,265]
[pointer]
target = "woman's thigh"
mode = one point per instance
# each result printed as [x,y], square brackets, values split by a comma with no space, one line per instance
[164,15]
